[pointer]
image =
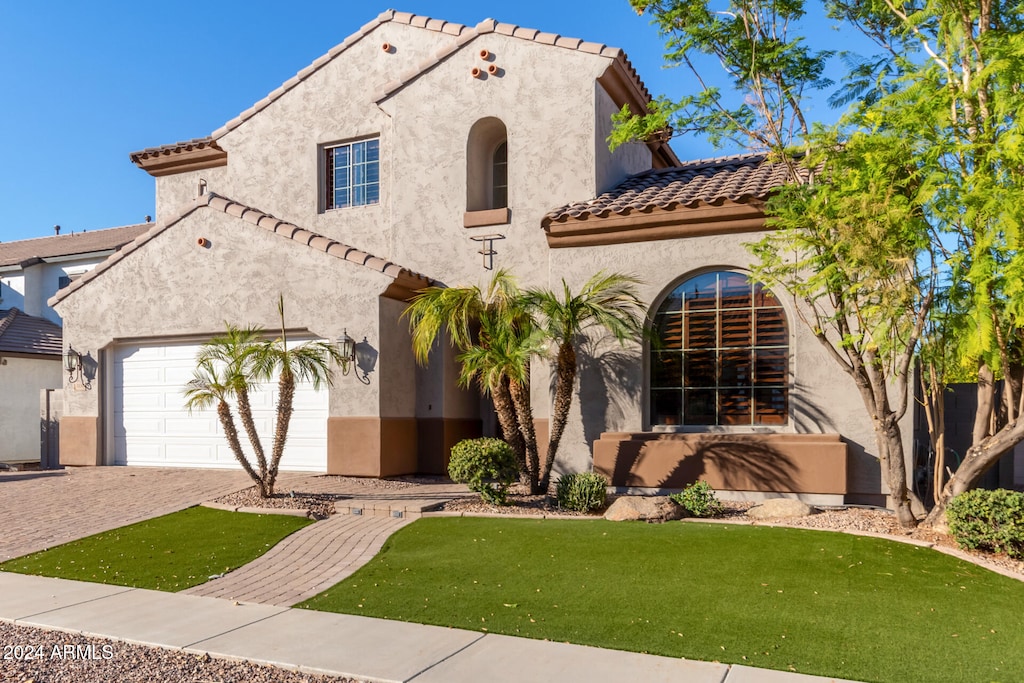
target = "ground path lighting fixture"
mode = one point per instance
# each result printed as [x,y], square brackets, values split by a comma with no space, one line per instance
[347,350]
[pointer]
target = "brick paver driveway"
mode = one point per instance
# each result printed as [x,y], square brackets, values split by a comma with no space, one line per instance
[42,509]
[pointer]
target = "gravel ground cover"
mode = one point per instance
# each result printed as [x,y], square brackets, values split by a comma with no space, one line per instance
[32,655]
[320,502]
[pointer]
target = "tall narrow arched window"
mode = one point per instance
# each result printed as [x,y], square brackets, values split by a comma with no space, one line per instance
[487,166]
[499,176]
[721,354]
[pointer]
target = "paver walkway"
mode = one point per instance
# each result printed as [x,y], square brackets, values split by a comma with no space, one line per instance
[39,510]
[306,563]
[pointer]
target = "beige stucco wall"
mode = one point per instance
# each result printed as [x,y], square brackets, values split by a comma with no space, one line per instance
[613,167]
[556,116]
[180,289]
[547,97]
[21,380]
[823,399]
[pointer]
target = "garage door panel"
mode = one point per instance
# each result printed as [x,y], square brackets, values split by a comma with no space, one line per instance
[139,400]
[186,426]
[152,427]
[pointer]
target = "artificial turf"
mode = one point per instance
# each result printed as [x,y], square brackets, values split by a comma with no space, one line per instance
[809,601]
[169,553]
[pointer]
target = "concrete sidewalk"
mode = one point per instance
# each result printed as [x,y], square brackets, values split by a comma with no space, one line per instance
[338,644]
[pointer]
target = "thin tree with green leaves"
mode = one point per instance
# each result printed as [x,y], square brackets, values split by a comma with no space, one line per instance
[849,233]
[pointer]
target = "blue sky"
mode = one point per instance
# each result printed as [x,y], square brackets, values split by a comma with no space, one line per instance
[85,84]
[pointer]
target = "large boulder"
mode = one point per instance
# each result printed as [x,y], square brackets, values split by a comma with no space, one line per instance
[643,508]
[775,508]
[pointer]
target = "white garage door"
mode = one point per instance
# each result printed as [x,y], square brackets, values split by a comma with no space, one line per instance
[152,427]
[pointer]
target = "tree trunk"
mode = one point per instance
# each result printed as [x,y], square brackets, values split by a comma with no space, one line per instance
[245,414]
[285,399]
[986,403]
[506,411]
[564,385]
[890,441]
[231,434]
[979,459]
[524,417]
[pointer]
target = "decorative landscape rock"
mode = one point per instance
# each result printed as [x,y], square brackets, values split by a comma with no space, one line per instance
[643,508]
[779,507]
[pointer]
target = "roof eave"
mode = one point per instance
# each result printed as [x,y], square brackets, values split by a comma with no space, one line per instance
[170,160]
[697,220]
[623,85]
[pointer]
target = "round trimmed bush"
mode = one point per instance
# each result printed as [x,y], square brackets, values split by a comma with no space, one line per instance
[698,499]
[988,520]
[487,466]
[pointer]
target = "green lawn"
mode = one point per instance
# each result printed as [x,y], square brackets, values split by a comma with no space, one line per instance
[811,601]
[169,553]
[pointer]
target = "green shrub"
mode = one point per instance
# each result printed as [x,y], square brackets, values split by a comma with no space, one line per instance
[583,491]
[988,520]
[698,500]
[487,466]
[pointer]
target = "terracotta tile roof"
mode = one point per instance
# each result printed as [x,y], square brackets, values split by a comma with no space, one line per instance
[491,26]
[460,33]
[409,279]
[736,178]
[174,148]
[85,242]
[23,333]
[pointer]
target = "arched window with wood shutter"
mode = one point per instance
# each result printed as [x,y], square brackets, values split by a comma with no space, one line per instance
[720,354]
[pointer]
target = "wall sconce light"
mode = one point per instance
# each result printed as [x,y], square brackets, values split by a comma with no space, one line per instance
[347,350]
[73,364]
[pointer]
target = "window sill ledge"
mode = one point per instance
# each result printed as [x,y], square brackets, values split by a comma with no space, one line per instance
[476,219]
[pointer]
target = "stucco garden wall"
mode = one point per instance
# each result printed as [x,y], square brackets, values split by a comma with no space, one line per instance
[21,380]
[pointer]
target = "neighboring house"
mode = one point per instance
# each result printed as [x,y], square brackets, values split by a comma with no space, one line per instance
[31,271]
[419,151]
[29,363]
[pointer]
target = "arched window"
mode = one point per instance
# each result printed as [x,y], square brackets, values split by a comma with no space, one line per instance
[721,356]
[487,166]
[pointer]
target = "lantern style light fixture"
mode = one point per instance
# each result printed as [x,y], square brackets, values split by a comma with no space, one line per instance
[73,364]
[347,350]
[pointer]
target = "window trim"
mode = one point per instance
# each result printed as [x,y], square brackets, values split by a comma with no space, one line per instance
[651,354]
[327,184]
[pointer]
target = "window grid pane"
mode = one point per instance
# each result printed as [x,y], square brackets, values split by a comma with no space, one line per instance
[353,174]
[733,368]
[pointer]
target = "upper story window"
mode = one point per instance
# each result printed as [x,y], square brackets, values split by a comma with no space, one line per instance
[722,355]
[353,174]
[499,177]
[487,166]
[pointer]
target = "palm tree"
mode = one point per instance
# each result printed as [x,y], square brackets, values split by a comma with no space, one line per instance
[308,362]
[608,301]
[233,351]
[503,365]
[212,383]
[471,317]
[231,365]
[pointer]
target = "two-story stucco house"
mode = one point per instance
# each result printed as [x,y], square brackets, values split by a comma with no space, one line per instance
[31,271]
[419,151]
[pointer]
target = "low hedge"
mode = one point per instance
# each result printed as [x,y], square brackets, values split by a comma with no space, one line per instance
[988,520]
